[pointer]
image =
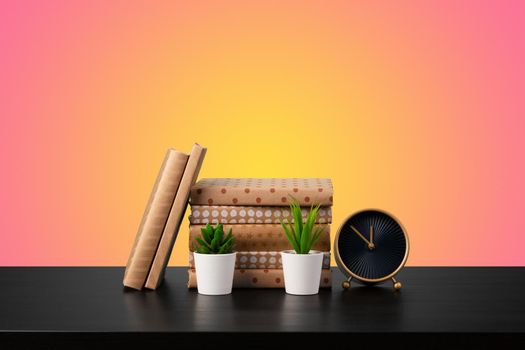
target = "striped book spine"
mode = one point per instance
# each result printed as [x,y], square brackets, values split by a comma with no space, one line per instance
[171,229]
[154,219]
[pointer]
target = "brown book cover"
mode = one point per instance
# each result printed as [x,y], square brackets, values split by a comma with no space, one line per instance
[261,278]
[262,192]
[176,215]
[269,237]
[154,218]
[261,260]
[228,214]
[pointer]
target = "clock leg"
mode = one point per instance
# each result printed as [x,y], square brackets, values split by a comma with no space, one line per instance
[346,284]
[397,284]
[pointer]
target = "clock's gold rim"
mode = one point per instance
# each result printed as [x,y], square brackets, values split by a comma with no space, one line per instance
[347,271]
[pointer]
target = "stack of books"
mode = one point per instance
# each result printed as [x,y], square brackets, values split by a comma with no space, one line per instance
[254,208]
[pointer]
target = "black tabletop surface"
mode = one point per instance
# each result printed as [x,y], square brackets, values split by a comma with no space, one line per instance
[434,300]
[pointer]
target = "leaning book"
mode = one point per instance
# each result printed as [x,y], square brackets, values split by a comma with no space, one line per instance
[154,219]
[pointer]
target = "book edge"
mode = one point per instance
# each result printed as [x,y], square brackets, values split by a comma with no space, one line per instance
[167,240]
[133,283]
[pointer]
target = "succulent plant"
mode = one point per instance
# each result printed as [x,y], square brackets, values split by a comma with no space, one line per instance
[213,240]
[302,234]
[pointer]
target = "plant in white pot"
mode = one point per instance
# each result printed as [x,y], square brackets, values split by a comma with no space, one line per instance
[214,260]
[302,266]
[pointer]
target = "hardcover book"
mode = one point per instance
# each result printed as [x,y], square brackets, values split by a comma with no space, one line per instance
[176,215]
[262,192]
[154,219]
[226,214]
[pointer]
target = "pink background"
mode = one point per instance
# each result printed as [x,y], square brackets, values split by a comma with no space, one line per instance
[416,107]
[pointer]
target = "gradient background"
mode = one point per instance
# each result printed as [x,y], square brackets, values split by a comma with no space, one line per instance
[416,107]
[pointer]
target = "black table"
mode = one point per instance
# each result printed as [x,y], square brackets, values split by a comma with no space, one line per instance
[87,306]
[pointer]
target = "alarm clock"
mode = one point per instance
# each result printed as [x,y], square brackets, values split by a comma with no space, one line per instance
[371,246]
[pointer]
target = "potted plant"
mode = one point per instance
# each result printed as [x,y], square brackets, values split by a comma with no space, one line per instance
[302,266]
[214,260]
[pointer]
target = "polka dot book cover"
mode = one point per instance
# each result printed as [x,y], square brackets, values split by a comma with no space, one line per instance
[254,208]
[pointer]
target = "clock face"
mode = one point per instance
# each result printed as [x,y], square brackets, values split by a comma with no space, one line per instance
[371,246]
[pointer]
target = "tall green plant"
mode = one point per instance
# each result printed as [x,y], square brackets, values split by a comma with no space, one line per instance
[213,241]
[302,234]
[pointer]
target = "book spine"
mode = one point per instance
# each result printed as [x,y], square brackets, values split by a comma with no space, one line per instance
[269,237]
[225,214]
[261,278]
[171,229]
[154,219]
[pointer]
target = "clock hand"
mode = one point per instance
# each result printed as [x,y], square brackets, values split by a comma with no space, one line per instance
[370,245]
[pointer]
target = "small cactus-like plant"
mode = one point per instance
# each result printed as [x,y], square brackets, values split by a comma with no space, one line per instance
[302,234]
[213,240]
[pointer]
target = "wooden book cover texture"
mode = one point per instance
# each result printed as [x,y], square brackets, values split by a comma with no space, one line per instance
[176,215]
[154,218]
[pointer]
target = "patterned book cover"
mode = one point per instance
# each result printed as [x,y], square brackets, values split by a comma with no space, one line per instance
[261,278]
[154,219]
[270,237]
[227,214]
[262,192]
[261,260]
[171,230]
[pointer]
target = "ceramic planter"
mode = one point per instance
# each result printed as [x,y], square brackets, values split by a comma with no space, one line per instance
[302,272]
[214,273]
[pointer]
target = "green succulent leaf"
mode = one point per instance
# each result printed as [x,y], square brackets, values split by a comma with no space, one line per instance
[227,242]
[202,242]
[302,234]
[213,241]
[318,232]
[305,240]
[288,231]
[209,233]
[226,247]
[219,232]
[297,215]
[205,234]
[228,239]
[203,250]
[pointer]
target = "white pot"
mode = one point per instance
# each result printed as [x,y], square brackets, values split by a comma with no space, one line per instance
[214,273]
[302,272]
